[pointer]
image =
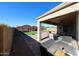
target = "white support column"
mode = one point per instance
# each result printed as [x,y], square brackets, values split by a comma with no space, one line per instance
[39,31]
[77,27]
[77,30]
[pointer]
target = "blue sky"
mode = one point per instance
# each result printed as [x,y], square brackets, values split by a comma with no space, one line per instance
[23,13]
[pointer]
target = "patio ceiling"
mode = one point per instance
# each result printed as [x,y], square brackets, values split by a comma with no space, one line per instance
[68,19]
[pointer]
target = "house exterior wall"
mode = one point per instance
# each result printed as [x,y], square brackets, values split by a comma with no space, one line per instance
[69,30]
[25,28]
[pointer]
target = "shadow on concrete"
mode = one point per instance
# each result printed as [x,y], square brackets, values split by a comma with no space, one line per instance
[24,45]
[45,38]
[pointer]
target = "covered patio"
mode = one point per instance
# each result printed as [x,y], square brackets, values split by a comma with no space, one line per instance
[66,18]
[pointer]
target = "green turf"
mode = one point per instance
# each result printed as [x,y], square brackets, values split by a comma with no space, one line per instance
[34,32]
[30,33]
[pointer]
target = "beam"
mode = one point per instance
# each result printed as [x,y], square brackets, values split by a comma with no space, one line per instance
[49,22]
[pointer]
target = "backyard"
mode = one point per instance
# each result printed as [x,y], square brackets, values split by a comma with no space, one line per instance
[31,33]
[34,32]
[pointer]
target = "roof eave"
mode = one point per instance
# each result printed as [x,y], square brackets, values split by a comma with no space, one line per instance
[59,7]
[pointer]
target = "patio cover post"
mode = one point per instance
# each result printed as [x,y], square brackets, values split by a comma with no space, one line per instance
[39,31]
[77,27]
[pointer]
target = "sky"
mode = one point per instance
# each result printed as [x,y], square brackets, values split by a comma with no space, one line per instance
[23,13]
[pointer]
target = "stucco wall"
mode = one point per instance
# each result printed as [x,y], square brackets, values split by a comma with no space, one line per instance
[71,30]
